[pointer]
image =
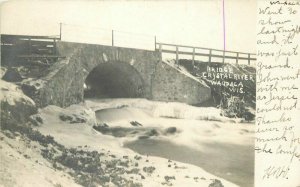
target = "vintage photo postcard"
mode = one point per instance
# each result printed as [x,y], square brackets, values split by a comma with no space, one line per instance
[142,93]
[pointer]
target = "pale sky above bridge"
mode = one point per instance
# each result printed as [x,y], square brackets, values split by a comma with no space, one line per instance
[197,23]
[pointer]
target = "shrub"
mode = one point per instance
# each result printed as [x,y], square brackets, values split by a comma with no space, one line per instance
[233,107]
[149,170]
[216,183]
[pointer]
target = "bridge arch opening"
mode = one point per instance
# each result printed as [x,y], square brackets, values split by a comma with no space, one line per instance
[114,80]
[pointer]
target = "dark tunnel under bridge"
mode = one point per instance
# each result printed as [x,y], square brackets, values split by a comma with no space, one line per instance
[114,80]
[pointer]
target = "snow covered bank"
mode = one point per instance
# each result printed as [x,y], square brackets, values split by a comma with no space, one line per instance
[74,135]
[15,103]
[195,128]
[23,165]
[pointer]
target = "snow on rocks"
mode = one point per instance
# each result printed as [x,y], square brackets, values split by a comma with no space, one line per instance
[15,102]
[2,71]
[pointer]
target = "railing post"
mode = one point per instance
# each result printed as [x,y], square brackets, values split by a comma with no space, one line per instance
[177,55]
[160,52]
[54,46]
[112,37]
[29,47]
[60,29]
[223,57]
[193,62]
[249,59]
[209,57]
[237,58]
[155,43]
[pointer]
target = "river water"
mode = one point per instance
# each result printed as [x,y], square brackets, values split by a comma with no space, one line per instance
[234,163]
[222,151]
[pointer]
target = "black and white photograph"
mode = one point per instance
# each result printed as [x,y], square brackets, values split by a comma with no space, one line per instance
[128,93]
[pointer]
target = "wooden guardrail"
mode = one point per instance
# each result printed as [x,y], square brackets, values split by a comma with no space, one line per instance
[26,47]
[207,52]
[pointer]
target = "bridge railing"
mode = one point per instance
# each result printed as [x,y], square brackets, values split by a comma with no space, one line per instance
[95,35]
[19,48]
[208,53]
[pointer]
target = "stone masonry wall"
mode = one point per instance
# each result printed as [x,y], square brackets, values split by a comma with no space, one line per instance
[169,84]
[64,85]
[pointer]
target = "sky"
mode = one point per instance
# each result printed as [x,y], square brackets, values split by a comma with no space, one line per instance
[196,23]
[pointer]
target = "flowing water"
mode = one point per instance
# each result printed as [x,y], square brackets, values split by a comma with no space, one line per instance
[222,151]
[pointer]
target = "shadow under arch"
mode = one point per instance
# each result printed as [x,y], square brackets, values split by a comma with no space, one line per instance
[114,80]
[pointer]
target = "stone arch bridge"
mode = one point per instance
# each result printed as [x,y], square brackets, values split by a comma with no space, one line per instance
[79,70]
[95,70]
